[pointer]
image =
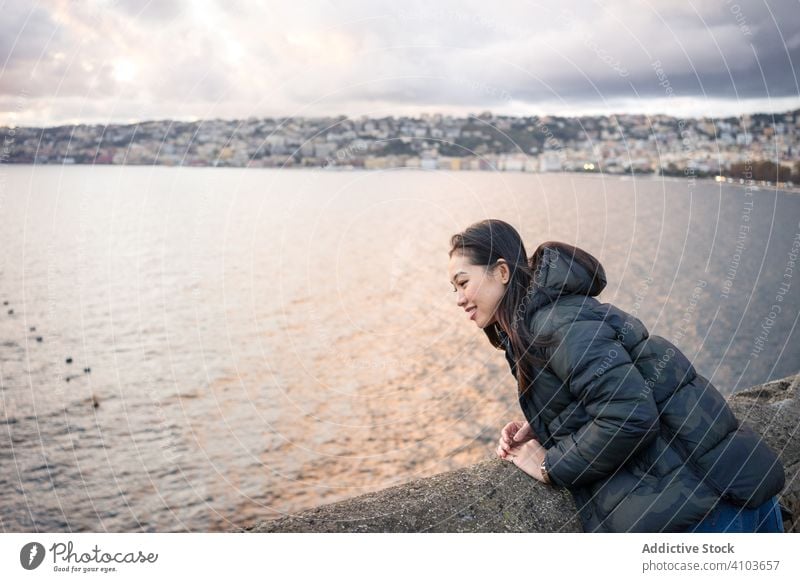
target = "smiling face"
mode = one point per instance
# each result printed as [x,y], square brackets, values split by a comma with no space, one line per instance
[478,290]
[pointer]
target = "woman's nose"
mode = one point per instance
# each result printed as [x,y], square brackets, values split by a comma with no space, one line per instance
[460,299]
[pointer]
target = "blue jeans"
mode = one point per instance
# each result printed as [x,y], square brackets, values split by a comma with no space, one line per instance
[729,518]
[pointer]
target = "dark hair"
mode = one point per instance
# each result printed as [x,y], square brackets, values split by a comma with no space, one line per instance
[486,242]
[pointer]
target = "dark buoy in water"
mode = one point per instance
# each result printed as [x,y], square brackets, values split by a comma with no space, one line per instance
[95,401]
[87,370]
[5,302]
[38,338]
[11,312]
[69,360]
[67,378]
[33,328]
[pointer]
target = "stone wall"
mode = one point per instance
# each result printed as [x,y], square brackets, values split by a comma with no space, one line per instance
[495,496]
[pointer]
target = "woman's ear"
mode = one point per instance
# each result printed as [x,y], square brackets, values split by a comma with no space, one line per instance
[503,271]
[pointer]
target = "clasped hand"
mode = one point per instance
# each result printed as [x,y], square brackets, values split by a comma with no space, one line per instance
[519,445]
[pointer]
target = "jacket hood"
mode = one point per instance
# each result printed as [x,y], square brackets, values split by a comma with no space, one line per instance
[561,272]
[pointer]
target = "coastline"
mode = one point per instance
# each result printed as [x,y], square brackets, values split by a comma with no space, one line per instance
[793,189]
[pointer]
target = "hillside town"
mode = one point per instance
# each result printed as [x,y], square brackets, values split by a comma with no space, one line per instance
[657,144]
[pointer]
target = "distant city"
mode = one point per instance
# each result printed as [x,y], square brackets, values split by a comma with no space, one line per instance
[761,147]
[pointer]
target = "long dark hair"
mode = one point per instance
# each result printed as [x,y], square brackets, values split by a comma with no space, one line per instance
[484,243]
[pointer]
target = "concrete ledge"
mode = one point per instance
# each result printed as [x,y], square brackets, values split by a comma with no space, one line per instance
[495,496]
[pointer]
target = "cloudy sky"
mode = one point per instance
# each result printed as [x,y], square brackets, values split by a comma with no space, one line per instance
[103,61]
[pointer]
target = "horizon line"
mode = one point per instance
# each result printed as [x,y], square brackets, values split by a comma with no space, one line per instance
[194,119]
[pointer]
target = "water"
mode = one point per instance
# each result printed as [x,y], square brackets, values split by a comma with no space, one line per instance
[264,341]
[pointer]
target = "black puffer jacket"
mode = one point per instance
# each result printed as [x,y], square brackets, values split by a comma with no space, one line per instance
[642,441]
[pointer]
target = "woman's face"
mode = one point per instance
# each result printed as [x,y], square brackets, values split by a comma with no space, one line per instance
[478,290]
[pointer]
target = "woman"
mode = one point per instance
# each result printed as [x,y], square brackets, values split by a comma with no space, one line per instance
[619,417]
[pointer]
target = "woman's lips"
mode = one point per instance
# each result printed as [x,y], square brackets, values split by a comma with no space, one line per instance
[472,314]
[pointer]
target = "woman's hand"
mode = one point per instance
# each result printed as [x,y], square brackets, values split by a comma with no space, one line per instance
[529,458]
[514,435]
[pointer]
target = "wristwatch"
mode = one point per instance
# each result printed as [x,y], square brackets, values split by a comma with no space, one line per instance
[545,474]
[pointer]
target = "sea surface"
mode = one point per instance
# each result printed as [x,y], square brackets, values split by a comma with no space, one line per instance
[249,343]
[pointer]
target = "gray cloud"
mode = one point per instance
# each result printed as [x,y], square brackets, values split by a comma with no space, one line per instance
[178,59]
[150,10]
[24,31]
